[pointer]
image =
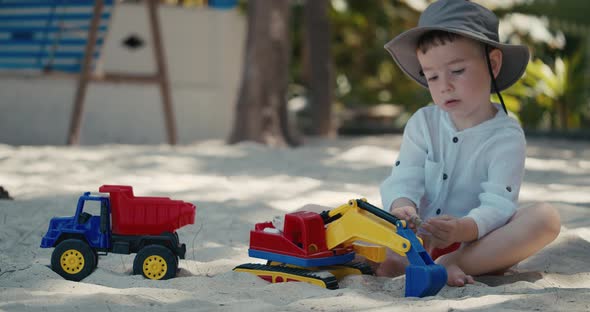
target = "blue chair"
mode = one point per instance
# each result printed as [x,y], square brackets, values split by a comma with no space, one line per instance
[61,37]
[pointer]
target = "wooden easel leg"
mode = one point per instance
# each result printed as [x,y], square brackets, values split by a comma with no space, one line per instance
[84,78]
[162,71]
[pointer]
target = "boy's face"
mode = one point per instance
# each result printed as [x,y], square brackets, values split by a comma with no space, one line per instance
[458,78]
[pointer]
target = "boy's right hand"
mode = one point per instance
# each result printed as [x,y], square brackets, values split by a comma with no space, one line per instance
[405,213]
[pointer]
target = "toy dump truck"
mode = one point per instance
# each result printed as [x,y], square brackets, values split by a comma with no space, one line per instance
[126,224]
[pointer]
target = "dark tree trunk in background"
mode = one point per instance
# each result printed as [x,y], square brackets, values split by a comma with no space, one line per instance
[319,79]
[562,114]
[261,111]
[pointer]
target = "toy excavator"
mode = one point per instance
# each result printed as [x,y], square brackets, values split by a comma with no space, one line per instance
[320,248]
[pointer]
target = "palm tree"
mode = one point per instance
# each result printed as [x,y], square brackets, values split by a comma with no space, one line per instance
[261,112]
[319,66]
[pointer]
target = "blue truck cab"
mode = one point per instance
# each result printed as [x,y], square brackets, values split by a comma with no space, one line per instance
[95,230]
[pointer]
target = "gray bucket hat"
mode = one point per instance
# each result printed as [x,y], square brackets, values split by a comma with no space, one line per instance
[464,18]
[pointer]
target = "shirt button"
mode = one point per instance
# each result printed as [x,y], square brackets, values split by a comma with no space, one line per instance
[438,211]
[445,176]
[455,139]
[397,163]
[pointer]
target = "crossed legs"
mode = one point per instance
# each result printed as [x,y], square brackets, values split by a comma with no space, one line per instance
[530,229]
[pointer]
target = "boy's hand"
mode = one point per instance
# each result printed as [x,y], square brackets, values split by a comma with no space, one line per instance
[443,231]
[405,213]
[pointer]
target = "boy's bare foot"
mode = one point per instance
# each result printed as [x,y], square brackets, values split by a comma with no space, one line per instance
[456,276]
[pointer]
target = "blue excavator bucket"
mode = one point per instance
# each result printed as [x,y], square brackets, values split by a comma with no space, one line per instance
[423,276]
[422,281]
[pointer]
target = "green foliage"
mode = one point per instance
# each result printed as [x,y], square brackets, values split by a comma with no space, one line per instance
[364,73]
[552,97]
[553,94]
[567,15]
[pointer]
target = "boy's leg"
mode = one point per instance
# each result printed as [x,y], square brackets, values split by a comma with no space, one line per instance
[394,265]
[530,229]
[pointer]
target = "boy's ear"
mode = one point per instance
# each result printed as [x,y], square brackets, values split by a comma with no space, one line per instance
[496,61]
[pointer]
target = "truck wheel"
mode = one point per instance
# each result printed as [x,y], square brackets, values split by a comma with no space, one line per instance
[155,262]
[95,258]
[73,259]
[177,260]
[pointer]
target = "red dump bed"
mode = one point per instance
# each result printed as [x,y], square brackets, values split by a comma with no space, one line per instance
[146,215]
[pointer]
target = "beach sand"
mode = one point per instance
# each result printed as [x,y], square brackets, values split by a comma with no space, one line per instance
[235,187]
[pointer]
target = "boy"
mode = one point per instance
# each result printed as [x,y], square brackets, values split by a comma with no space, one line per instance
[461,161]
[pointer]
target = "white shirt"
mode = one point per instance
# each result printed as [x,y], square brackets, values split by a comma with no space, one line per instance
[475,172]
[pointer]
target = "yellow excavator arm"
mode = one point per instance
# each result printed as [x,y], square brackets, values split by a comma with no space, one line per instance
[351,225]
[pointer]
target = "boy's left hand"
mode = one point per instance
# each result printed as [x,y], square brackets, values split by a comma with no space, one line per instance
[444,230]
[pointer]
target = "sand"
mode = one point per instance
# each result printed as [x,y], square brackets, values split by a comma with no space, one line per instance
[235,187]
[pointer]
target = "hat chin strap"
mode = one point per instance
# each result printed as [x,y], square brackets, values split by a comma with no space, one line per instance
[487,47]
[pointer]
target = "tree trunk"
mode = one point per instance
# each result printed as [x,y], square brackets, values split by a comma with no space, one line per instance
[261,111]
[562,114]
[317,45]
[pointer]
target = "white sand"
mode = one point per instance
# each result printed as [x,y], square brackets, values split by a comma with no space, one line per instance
[237,186]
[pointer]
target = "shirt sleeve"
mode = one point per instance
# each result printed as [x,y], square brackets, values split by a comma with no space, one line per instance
[407,175]
[499,198]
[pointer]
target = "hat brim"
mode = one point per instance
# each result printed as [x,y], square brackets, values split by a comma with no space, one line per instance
[403,50]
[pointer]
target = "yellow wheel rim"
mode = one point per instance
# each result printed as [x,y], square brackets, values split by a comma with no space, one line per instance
[72,261]
[154,267]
